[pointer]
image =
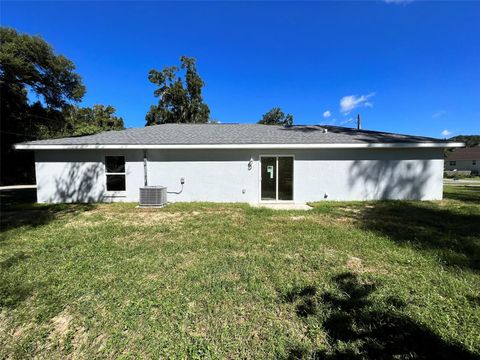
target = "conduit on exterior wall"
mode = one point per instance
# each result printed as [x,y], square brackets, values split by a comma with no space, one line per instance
[145,168]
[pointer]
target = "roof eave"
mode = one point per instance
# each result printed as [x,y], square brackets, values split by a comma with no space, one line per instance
[27,146]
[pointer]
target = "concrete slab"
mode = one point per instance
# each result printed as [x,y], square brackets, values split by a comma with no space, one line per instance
[280,206]
[150,206]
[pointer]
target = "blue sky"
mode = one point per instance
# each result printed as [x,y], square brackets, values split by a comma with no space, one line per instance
[406,66]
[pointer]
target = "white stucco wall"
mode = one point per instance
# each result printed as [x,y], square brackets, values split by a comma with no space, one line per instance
[79,176]
[224,176]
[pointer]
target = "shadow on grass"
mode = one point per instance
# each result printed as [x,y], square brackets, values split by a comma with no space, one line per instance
[453,234]
[13,260]
[357,329]
[14,197]
[18,208]
[467,194]
[11,295]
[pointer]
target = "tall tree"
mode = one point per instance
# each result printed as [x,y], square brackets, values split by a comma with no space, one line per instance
[29,61]
[180,101]
[29,64]
[276,117]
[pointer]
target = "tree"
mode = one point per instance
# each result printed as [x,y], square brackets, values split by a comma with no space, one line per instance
[469,140]
[30,61]
[276,117]
[180,101]
[86,121]
[28,64]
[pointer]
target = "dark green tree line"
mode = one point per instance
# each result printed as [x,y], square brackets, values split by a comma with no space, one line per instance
[90,120]
[469,140]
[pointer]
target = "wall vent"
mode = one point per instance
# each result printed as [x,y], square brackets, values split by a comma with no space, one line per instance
[153,196]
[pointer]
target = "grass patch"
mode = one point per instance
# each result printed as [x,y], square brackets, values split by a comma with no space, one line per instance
[366,280]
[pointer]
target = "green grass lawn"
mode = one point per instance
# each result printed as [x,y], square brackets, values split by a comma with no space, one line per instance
[366,280]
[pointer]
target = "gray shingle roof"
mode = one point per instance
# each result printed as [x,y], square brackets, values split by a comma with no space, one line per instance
[209,134]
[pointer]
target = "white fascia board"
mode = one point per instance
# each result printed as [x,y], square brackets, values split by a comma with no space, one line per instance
[241,146]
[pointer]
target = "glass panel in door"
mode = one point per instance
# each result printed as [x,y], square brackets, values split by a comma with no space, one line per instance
[269,178]
[285,178]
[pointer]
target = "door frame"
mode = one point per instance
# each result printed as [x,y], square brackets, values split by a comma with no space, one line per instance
[276,178]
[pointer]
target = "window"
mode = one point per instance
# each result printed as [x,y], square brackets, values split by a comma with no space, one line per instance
[453,163]
[474,162]
[115,171]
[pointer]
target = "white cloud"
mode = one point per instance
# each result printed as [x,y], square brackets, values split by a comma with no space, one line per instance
[350,102]
[438,113]
[327,114]
[397,2]
[446,133]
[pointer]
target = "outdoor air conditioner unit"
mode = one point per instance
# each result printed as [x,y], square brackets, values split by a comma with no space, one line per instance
[153,196]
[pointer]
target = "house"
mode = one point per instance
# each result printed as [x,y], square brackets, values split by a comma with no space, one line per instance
[467,159]
[239,163]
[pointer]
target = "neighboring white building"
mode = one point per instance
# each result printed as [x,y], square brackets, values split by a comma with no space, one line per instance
[239,163]
[467,159]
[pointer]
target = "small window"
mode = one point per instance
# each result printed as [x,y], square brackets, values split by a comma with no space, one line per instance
[115,171]
[453,163]
[474,162]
